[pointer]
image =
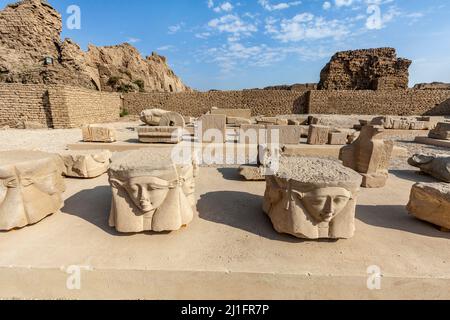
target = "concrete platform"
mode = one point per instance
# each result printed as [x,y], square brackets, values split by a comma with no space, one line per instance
[433,142]
[230,251]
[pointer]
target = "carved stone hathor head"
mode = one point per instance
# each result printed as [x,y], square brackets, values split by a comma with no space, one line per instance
[312,198]
[30,188]
[150,192]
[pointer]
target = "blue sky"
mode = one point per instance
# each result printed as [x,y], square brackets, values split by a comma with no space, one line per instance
[213,44]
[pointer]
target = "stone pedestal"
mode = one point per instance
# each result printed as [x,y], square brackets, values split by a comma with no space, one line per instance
[98,133]
[431,202]
[169,135]
[86,164]
[31,187]
[370,156]
[318,135]
[441,132]
[312,198]
[151,192]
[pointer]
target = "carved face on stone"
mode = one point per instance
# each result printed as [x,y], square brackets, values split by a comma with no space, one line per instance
[149,192]
[324,204]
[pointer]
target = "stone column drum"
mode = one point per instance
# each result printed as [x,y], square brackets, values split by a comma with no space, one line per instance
[31,187]
[312,198]
[151,192]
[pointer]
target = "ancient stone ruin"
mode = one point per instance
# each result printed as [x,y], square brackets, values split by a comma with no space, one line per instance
[368,69]
[31,51]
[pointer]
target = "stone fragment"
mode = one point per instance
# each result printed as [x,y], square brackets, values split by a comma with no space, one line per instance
[233,113]
[419,125]
[252,173]
[318,135]
[31,187]
[253,134]
[441,132]
[169,135]
[98,133]
[337,138]
[213,128]
[284,134]
[369,155]
[272,121]
[401,124]
[312,198]
[152,117]
[431,202]
[172,119]
[151,192]
[437,166]
[238,121]
[86,164]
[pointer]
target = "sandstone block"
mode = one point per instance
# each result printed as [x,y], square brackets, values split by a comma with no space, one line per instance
[213,128]
[370,156]
[419,125]
[86,164]
[437,166]
[441,132]
[253,134]
[312,198]
[431,202]
[238,121]
[167,135]
[252,173]
[233,113]
[272,121]
[284,134]
[31,187]
[152,117]
[98,133]
[151,192]
[337,138]
[318,135]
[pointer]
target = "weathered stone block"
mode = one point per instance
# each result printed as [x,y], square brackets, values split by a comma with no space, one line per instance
[86,164]
[152,117]
[337,138]
[172,119]
[284,134]
[233,113]
[168,135]
[98,133]
[213,128]
[318,135]
[431,202]
[441,132]
[252,173]
[437,166]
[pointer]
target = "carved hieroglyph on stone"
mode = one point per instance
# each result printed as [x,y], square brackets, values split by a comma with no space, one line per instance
[31,185]
[369,155]
[437,166]
[431,202]
[168,135]
[98,133]
[152,117]
[441,132]
[312,198]
[86,164]
[172,119]
[151,192]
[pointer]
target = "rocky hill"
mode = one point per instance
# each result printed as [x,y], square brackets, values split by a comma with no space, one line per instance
[31,51]
[432,86]
[368,69]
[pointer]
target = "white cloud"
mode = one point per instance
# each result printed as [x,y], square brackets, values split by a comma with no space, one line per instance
[175,28]
[133,40]
[306,26]
[166,48]
[280,6]
[343,3]
[326,5]
[232,24]
[224,7]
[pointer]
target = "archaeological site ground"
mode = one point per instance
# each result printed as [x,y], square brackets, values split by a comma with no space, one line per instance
[120,181]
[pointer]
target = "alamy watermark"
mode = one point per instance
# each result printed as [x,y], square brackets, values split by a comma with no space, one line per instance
[73,21]
[375,277]
[74,278]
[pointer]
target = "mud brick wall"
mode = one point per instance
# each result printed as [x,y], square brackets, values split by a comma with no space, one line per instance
[398,102]
[261,102]
[20,102]
[84,106]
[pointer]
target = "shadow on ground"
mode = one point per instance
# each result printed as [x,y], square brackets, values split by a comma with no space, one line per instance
[231,174]
[397,218]
[94,206]
[243,211]
[413,175]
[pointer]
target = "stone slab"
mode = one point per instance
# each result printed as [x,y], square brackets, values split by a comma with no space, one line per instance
[433,142]
[235,113]
[233,251]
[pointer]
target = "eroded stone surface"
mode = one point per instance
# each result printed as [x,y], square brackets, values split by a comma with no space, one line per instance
[318,135]
[441,132]
[312,198]
[252,173]
[151,192]
[369,155]
[152,117]
[98,133]
[437,166]
[86,164]
[213,128]
[431,202]
[233,113]
[172,119]
[160,134]
[31,187]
